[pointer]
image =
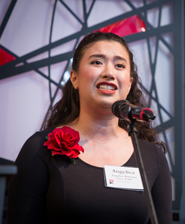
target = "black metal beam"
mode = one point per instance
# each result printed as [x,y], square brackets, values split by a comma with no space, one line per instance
[7,16]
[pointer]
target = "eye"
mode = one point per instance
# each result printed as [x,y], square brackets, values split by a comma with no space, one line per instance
[96,62]
[120,66]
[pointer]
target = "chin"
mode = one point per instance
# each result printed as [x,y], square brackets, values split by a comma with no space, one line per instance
[106,104]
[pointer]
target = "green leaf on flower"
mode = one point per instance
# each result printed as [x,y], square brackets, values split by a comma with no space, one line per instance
[47,138]
[73,160]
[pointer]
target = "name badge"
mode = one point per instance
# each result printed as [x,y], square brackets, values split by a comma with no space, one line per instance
[123,177]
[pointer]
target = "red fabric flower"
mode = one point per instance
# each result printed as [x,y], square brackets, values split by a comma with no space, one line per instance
[64,141]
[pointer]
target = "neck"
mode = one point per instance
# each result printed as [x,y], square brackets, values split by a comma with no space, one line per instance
[100,126]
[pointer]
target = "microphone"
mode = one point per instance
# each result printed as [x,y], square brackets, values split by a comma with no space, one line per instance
[125,110]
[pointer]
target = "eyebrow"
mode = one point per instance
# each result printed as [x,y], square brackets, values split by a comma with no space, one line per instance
[103,56]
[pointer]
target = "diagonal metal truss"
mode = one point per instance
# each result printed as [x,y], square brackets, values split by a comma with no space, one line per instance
[177,121]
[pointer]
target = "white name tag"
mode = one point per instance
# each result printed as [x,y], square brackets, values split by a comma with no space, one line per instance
[123,177]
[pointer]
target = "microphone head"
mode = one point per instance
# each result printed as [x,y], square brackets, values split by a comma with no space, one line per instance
[123,109]
[116,107]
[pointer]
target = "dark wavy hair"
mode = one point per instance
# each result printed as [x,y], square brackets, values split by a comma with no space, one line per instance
[68,108]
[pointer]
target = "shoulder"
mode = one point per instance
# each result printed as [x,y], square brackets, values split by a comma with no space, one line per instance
[38,137]
[152,154]
[34,144]
[150,148]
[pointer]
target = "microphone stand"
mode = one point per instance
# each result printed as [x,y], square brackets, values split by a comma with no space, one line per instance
[133,133]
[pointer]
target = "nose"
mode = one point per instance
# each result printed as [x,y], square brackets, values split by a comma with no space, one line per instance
[108,73]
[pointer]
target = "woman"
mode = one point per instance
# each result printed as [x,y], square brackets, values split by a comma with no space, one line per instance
[81,129]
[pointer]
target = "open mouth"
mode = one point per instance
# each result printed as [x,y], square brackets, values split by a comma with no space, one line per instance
[107,87]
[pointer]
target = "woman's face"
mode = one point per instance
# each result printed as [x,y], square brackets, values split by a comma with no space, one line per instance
[103,76]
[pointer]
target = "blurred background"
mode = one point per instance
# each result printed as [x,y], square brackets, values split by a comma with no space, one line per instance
[37,41]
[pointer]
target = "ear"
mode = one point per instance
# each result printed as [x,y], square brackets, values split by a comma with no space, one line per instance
[74,79]
[131,80]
